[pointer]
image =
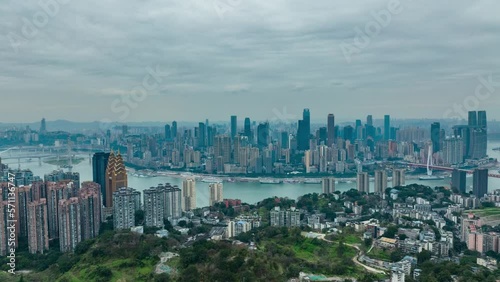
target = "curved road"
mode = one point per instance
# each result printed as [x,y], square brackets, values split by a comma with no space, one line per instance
[356,258]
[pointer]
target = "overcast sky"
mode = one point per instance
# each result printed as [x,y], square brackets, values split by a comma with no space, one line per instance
[265,59]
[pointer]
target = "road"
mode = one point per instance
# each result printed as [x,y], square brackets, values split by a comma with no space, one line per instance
[356,258]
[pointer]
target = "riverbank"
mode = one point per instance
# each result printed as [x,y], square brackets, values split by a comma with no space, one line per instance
[211,178]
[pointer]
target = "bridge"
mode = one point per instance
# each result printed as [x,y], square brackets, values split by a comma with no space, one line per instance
[445,168]
[25,154]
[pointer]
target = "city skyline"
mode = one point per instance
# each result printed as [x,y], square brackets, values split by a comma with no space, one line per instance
[254,58]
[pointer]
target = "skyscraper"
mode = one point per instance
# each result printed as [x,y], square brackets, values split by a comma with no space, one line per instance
[23,199]
[38,230]
[263,135]
[168,132]
[482,121]
[331,130]
[248,130]
[202,135]
[398,177]
[453,151]
[473,118]
[222,148]
[116,177]
[363,182]
[172,196]
[349,133]
[234,126]
[304,131]
[436,136]
[90,209]
[380,181]
[480,182]
[328,184]
[478,135]
[174,129]
[369,120]
[459,180]
[99,165]
[43,126]
[215,190]
[322,135]
[70,232]
[154,205]
[56,192]
[285,140]
[188,194]
[126,202]
[387,127]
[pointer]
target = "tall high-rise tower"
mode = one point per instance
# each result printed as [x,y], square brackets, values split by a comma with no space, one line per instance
[459,180]
[188,194]
[174,129]
[202,135]
[168,132]
[234,126]
[482,121]
[436,136]
[398,177]
[215,190]
[116,177]
[472,118]
[387,127]
[369,120]
[248,130]
[478,135]
[43,126]
[99,165]
[480,182]
[380,181]
[331,130]
[263,135]
[363,182]
[90,209]
[304,131]
[328,185]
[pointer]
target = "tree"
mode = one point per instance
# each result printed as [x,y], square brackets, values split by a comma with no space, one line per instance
[391,232]
[139,217]
[164,277]
[368,242]
[182,223]
[341,249]
[424,256]
[397,256]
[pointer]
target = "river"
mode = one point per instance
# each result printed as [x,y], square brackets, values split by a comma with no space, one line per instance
[249,192]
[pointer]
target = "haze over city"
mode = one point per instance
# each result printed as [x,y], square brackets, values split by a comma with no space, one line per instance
[250,58]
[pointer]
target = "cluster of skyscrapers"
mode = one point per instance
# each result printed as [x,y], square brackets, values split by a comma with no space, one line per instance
[46,210]
[468,141]
[58,208]
[259,150]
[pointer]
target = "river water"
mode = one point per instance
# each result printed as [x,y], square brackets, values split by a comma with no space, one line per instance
[249,192]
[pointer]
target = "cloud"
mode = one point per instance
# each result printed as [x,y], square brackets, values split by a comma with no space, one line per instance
[90,52]
[237,88]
